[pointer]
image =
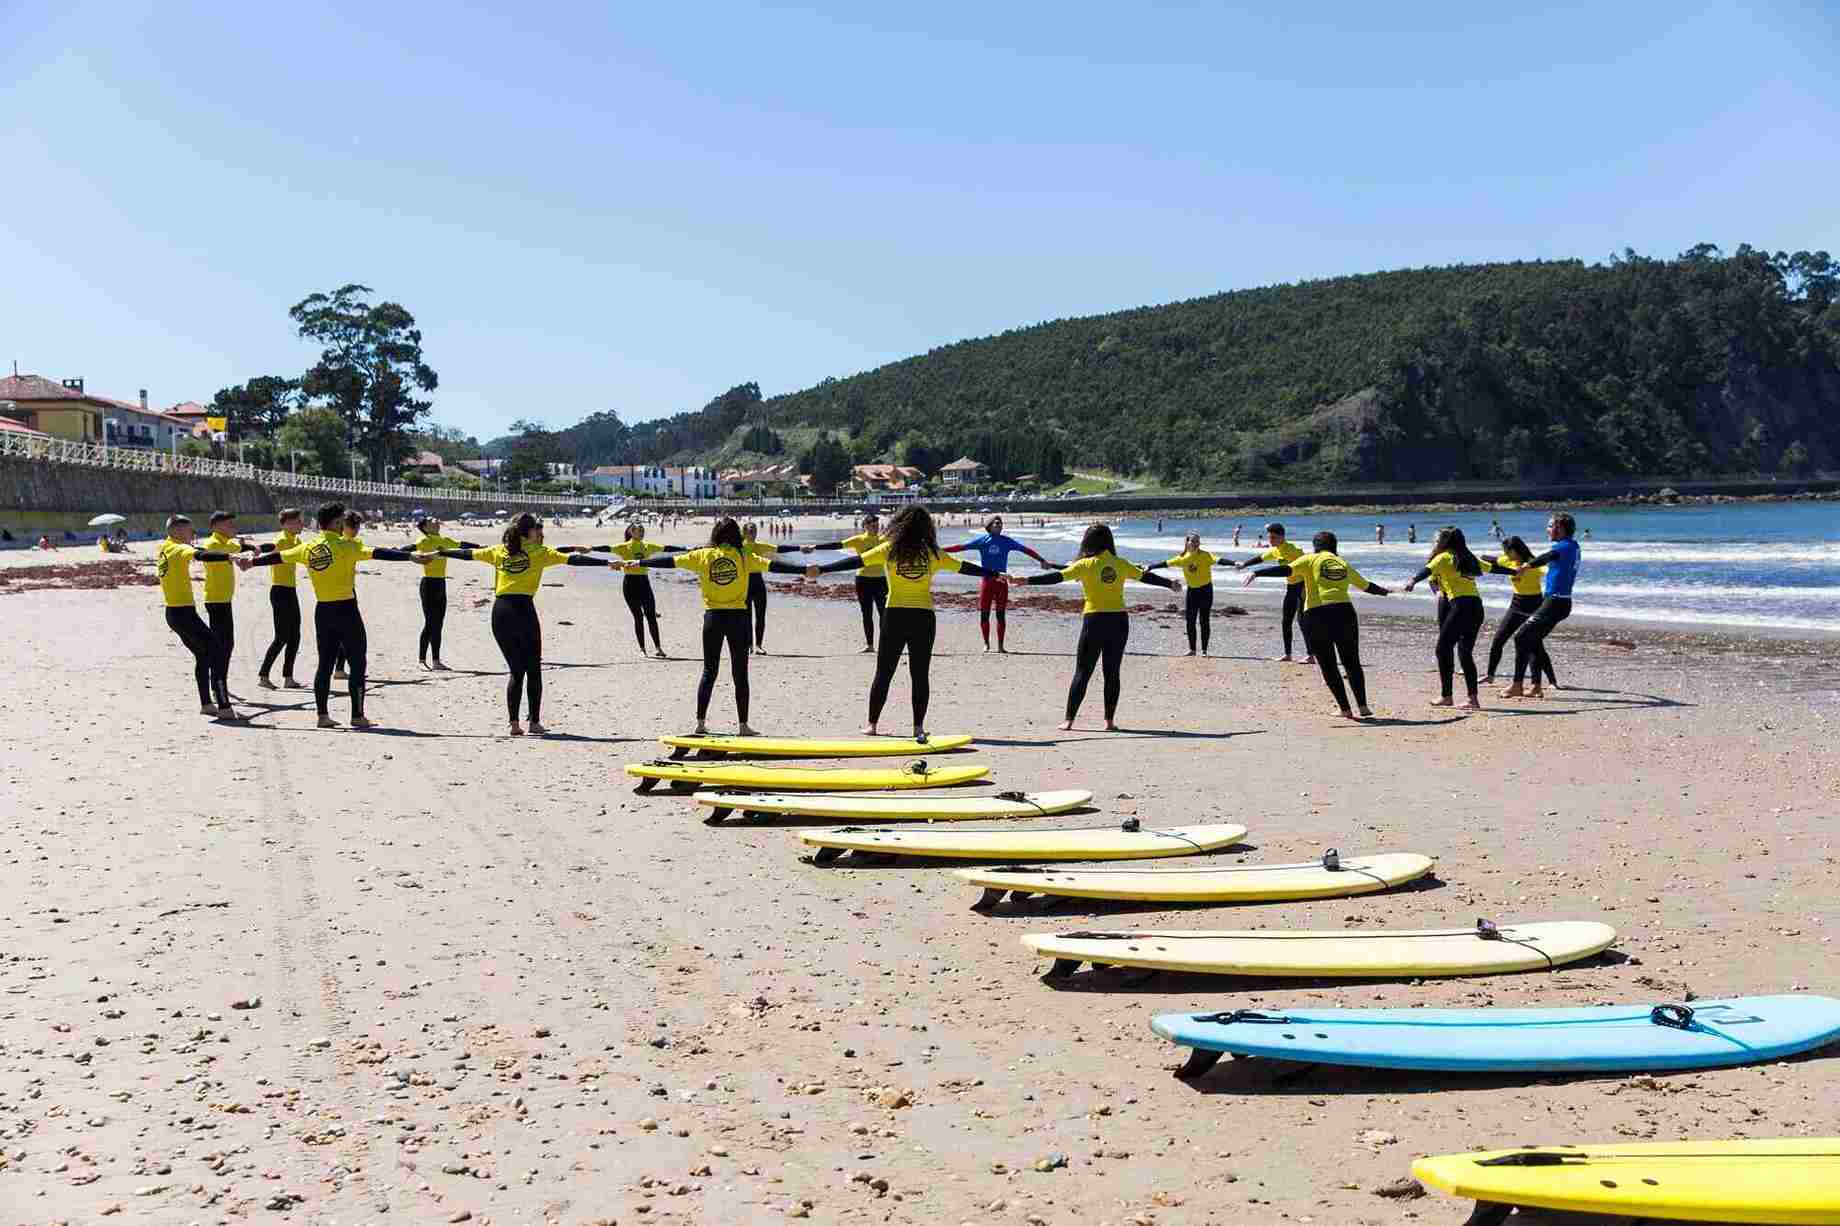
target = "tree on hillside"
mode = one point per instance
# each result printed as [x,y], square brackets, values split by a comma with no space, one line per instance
[370,370]
[448,442]
[258,406]
[827,463]
[319,435]
[534,448]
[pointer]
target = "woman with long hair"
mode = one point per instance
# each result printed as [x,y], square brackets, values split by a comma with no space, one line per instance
[1105,627]
[518,563]
[434,590]
[1197,566]
[911,555]
[872,584]
[350,526]
[636,585]
[757,583]
[1516,557]
[1330,626]
[721,568]
[1455,569]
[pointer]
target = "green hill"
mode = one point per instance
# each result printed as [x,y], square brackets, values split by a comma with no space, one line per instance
[1702,365]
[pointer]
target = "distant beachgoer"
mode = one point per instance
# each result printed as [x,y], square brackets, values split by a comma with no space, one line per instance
[1495,528]
[1411,534]
[1236,536]
[44,542]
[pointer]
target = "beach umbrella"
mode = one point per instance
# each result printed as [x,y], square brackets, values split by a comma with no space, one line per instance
[420,512]
[502,511]
[108,521]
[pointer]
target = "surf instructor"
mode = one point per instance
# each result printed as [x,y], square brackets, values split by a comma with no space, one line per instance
[993,550]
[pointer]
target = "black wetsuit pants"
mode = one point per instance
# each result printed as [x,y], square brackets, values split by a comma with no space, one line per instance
[1530,639]
[1519,610]
[1456,641]
[757,605]
[1332,630]
[1102,640]
[1293,606]
[222,616]
[185,622]
[520,638]
[284,604]
[1198,609]
[434,618]
[338,631]
[912,630]
[721,626]
[872,597]
[643,605]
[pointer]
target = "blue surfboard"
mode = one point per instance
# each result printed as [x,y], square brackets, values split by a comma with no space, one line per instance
[1610,1038]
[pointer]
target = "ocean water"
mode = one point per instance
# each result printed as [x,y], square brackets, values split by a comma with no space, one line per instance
[1749,566]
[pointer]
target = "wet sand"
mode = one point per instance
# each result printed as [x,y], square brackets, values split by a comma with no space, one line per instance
[486,979]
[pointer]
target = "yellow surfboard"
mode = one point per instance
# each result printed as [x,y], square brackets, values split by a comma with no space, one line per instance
[803,778]
[914,807]
[1484,950]
[803,747]
[1023,843]
[1324,878]
[1784,1181]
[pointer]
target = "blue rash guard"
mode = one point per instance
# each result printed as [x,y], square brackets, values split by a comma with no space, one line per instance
[993,551]
[1562,570]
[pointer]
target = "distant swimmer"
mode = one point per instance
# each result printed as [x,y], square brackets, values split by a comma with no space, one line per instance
[1455,570]
[518,562]
[331,559]
[721,570]
[173,567]
[434,590]
[1526,601]
[1495,529]
[757,583]
[1105,627]
[911,555]
[1197,566]
[1282,552]
[993,550]
[1329,621]
[1379,534]
[220,593]
[283,606]
[636,585]
[1561,564]
[1236,536]
[1411,534]
[872,583]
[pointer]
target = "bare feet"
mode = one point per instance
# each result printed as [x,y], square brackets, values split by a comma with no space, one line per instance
[326,721]
[1191,651]
[1284,659]
[358,721]
[701,729]
[1472,705]
[517,729]
[1111,725]
[1536,692]
[1367,713]
[1002,651]
[869,650]
[1513,691]
[662,655]
[226,712]
[209,708]
[1442,702]
[438,667]
[744,730]
[869,730]
[1347,714]
[1067,725]
[537,729]
[339,674]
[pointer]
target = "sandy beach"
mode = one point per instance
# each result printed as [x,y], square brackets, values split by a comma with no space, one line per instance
[257,971]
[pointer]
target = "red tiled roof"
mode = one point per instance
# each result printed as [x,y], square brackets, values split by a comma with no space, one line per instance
[189,408]
[37,387]
[428,459]
[9,426]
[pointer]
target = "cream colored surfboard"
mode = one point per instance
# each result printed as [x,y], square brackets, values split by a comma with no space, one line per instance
[1351,954]
[1023,843]
[1226,883]
[914,807]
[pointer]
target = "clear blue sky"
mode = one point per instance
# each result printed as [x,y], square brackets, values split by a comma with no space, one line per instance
[635,206]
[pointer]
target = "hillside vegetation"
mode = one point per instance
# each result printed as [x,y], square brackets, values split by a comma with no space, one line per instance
[1701,365]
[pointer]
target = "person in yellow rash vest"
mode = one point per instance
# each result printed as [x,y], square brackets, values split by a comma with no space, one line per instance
[872,583]
[219,592]
[636,585]
[722,568]
[1104,625]
[283,606]
[331,559]
[911,555]
[1329,621]
[434,590]
[173,566]
[757,585]
[1197,566]
[518,563]
[1283,553]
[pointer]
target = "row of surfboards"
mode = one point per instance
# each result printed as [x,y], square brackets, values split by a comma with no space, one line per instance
[1786,1181]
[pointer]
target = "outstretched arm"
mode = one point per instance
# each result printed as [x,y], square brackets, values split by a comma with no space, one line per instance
[399,555]
[1174,585]
[958,548]
[1424,573]
[831,568]
[972,568]
[1280,571]
[787,568]
[824,547]
[582,559]
[1374,589]
[1046,578]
